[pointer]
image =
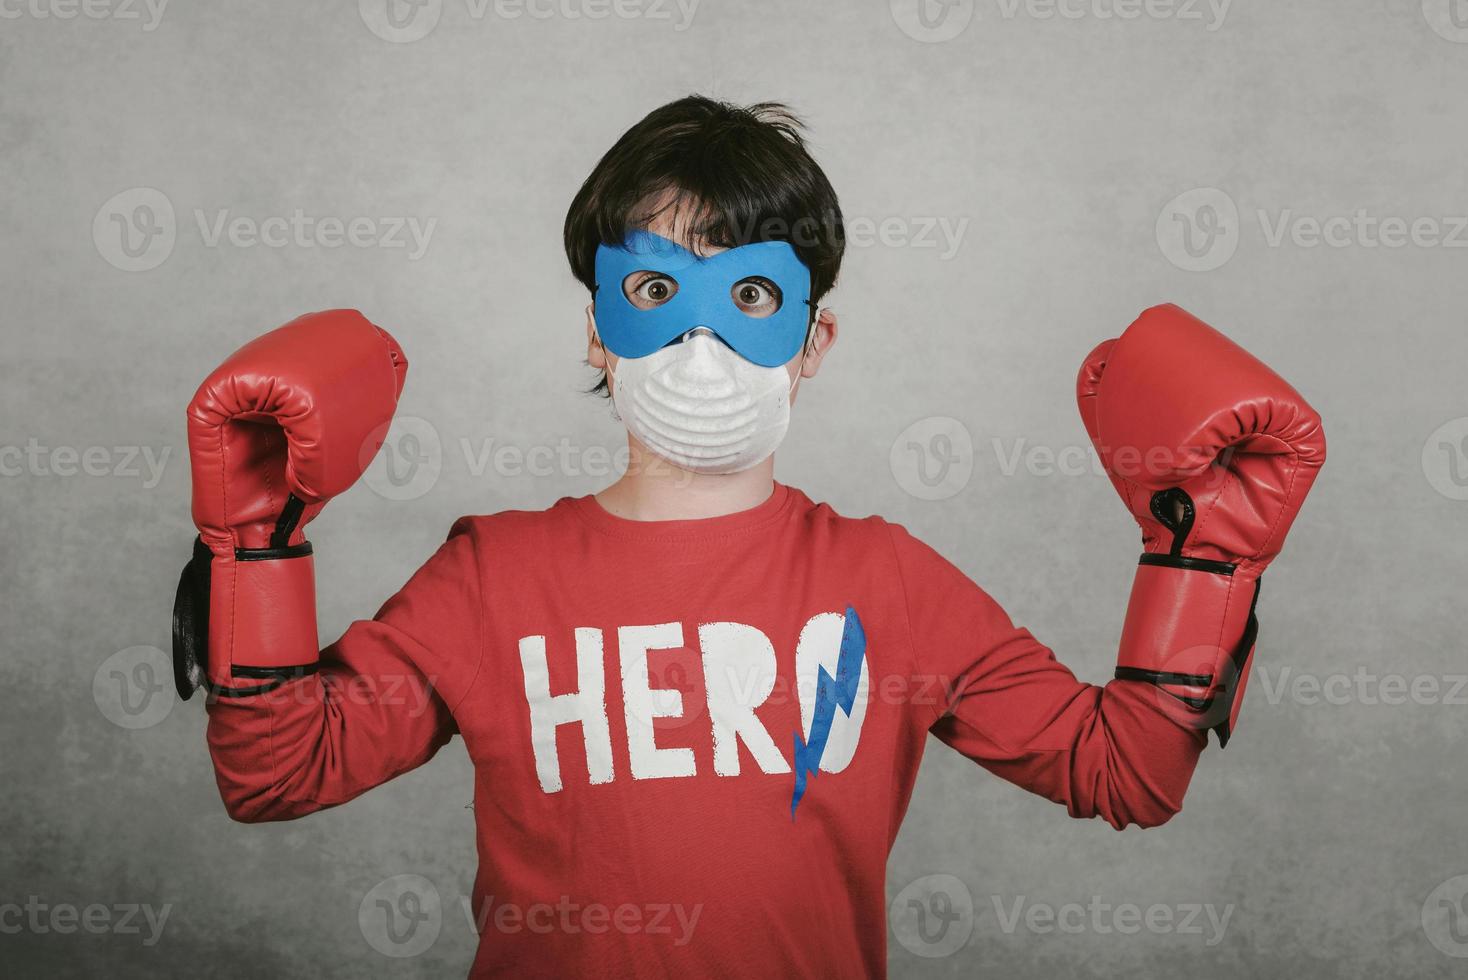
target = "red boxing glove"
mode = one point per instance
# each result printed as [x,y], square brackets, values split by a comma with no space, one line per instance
[1213,454]
[287,422]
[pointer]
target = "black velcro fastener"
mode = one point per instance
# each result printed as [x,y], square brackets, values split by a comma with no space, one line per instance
[191,623]
[1240,658]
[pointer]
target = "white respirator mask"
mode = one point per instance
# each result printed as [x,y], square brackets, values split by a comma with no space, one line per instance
[701,406]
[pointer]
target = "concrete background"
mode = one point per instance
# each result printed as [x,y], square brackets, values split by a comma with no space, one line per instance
[1085,165]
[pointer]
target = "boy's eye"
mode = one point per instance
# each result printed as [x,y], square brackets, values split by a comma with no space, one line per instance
[756,296]
[647,290]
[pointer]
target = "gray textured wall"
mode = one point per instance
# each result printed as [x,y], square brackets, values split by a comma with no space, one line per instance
[1082,167]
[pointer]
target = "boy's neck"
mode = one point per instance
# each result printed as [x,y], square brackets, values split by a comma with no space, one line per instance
[654,490]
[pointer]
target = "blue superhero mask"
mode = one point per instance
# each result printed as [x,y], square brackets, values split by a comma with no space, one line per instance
[704,298]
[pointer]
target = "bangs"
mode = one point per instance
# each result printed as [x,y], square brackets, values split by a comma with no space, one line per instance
[703,216]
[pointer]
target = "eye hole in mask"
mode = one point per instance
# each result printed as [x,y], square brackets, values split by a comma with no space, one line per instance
[755,296]
[650,292]
[647,290]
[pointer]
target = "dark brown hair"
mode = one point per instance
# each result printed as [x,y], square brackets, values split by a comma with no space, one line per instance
[742,172]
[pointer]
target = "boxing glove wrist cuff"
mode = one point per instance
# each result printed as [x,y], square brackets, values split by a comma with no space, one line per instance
[245,617]
[1190,631]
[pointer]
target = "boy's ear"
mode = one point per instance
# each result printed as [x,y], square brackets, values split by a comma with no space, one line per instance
[596,356]
[822,339]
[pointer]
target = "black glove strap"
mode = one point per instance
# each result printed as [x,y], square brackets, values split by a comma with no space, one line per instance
[285,525]
[274,676]
[191,623]
[1240,660]
[1173,509]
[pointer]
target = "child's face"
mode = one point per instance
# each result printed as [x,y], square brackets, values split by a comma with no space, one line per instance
[755,296]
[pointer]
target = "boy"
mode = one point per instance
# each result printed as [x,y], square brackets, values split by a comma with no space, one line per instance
[698,689]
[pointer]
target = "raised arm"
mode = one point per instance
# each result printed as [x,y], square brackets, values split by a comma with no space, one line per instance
[283,425]
[1213,453]
[1108,752]
[379,704]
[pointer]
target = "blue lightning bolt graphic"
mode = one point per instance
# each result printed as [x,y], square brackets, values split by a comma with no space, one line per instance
[831,693]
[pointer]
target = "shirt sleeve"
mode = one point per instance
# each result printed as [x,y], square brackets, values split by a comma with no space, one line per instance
[1013,708]
[380,704]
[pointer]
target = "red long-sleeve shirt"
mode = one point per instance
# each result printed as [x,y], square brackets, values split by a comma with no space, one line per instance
[643,703]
